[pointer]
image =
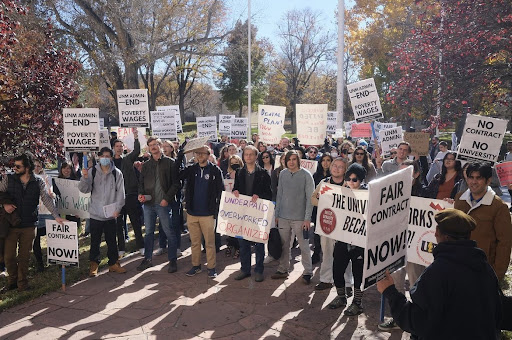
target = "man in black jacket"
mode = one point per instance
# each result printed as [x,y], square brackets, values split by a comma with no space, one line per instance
[457,296]
[253,181]
[203,190]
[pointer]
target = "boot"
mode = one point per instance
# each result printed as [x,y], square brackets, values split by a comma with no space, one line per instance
[93,269]
[116,268]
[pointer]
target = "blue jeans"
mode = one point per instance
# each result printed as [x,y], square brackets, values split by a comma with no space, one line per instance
[176,226]
[245,256]
[151,211]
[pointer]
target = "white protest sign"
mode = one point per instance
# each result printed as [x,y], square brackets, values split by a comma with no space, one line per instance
[71,201]
[163,124]
[62,243]
[102,123]
[386,225]
[365,100]
[390,138]
[482,138]
[81,129]
[377,126]
[176,110]
[225,122]
[332,118]
[242,218]
[338,134]
[196,143]
[422,228]
[104,139]
[228,184]
[126,135]
[239,128]
[271,123]
[309,165]
[342,214]
[348,127]
[311,123]
[133,108]
[207,127]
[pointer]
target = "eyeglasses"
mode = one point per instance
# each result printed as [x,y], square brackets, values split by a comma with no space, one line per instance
[393,152]
[17,166]
[359,154]
[353,179]
[313,152]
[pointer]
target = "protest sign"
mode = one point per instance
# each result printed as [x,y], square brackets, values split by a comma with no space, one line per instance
[482,138]
[239,128]
[126,135]
[386,225]
[419,142]
[225,122]
[102,123]
[390,139]
[422,228]
[242,218]
[332,120]
[311,123]
[176,110]
[271,123]
[133,108]
[365,100]
[338,134]
[163,124]
[104,139]
[81,129]
[377,126]
[207,127]
[196,143]
[62,243]
[362,130]
[71,201]
[309,165]
[228,184]
[348,127]
[504,171]
[342,214]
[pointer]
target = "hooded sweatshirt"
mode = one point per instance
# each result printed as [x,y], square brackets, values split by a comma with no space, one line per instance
[104,192]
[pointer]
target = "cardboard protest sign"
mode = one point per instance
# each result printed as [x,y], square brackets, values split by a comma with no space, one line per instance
[332,120]
[225,122]
[342,214]
[207,127]
[377,126]
[81,129]
[71,201]
[62,243]
[348,127]
[228,184]
[482,138]
[386,225]
[239,128]
[365,100]
[242,218]
[163,124]
[419,142]
[422,227]
[176,110]
[309,165]
[390,138]
[126,135]
[504,171]
[196,143]
[311,123]
[362,130]
[271,123]
[104,139]
[133,108]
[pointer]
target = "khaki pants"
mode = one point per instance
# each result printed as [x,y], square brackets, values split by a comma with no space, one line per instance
[202,226]
[20,239]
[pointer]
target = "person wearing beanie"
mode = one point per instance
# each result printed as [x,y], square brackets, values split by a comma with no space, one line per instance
[457,296]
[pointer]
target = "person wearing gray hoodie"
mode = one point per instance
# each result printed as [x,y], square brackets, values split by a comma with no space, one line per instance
[106,185]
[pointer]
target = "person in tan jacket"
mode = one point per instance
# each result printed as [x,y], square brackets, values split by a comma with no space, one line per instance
[493,233]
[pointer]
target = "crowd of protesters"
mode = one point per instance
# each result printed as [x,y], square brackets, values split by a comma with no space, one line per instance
[183,190]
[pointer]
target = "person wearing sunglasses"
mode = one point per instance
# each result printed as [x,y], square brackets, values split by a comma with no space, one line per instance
[312,153]
[25,189]
[360,157]
[266,161]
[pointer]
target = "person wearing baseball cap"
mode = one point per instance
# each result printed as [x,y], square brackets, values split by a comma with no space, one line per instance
[457,296]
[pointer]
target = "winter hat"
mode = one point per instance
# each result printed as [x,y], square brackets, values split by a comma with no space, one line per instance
[455,223]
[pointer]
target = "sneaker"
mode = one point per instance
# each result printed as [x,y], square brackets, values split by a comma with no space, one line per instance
[339,301]
[178,252]
[116,268]
[195,270]
[145,264]
[258,277]
[93,268]
[242,276]
[388,325]
[348,292]
[279,275]
[159,251]
[268,259]
[173,267]
[142,251]
[353,310]
[306,279]
[323,286]
[212,273]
